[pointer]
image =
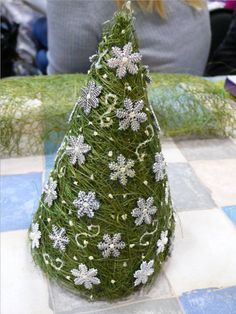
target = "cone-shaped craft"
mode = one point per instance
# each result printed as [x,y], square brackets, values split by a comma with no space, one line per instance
[105,222]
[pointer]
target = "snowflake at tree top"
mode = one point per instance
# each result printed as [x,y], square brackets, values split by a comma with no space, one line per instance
[105,221]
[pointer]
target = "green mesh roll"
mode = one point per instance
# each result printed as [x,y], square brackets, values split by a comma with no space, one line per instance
[34,110]
[105,221]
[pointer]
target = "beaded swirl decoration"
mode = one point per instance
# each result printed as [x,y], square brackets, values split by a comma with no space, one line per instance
[105,221]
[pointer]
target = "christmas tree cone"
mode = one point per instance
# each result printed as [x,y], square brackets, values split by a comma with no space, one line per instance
[105,221]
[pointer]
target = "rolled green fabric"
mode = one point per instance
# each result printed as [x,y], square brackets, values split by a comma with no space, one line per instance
[34,110]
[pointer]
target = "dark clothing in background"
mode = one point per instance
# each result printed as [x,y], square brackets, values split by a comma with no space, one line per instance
[223,61]
[9,32]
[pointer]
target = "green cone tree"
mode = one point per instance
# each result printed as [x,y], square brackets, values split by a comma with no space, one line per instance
[105,221]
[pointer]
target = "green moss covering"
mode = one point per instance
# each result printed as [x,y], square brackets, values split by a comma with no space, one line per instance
[101,132]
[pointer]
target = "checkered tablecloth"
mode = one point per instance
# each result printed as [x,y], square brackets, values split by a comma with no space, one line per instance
[199,278]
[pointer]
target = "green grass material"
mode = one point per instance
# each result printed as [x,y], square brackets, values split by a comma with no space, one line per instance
[114,215]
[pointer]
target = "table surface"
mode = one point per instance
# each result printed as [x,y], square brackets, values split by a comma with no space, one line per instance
[199,278]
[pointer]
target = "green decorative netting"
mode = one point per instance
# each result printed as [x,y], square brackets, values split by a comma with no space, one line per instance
[188,106]
[105,221]
[34,110]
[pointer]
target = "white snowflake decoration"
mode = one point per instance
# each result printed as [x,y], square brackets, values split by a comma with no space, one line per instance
[89,97]
[76,149]
[59,238]
[122,169]
[111,245]
[161,243]
[35,235]
[50,192]
[124,60]
[159,167]
[85,276]
[146,270]
[144,211]
[131,115]
[86,204]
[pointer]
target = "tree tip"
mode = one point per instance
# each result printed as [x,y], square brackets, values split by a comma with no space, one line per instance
[127,6]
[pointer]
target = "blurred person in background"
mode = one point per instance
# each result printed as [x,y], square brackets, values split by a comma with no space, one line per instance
[174,35]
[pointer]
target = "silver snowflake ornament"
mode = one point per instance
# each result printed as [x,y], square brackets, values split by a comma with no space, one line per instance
[76,149]
[50,192]
[161,243]
[89,96]
[59,238]
[146,270]
[124,60]
[159,167]
[144,211]
[122,169]
[86,204]
[85,276]
[131,115]
[35,235]
[111,245]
